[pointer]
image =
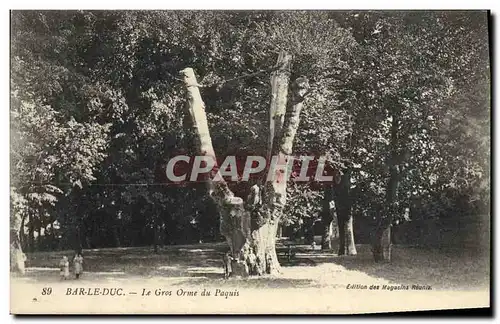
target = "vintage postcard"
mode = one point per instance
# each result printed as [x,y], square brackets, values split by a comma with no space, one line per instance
[249,162]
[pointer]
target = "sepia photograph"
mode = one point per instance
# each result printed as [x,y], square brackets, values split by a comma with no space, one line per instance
[249,161]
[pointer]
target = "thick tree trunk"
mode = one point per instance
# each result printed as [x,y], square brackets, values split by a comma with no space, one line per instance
[381,245]
[274,196]
[344,215]
[250,228]
[273,199]
[279,94]
[235,219]
[17,257]
[346,235]
[264,249]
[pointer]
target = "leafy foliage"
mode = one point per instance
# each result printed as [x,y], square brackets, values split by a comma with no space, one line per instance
[96,111]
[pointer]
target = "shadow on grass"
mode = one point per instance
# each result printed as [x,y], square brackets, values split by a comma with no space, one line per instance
[410,265]
[441,269]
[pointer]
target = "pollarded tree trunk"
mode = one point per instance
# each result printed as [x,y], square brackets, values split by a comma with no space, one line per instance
[268,211]
[274,195]
[263,247]
[235,219]
[344,216]
[250,226]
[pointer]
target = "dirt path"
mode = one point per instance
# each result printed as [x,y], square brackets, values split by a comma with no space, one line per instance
[310,283]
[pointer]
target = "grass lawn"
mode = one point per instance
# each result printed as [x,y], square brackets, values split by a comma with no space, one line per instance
[311,282]
[202,263]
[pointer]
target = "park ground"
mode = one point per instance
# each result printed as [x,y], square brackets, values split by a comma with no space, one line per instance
[309,276]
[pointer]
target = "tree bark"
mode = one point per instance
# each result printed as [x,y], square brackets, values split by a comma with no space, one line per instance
[31,233]
[343,198]
[22,236]
[327,235]
[17,257]
[274,195]
[250,227]
[279,94]
[327,219]
[381,245]
[308,230]
[347,244]
[235,219]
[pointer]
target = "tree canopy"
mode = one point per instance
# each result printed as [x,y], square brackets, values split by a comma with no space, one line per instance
[97,110]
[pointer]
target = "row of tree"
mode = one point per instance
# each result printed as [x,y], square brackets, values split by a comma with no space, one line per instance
[397,101]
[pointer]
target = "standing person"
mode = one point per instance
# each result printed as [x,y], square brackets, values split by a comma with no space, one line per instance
[64,266]
[313,245]
[78,264]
